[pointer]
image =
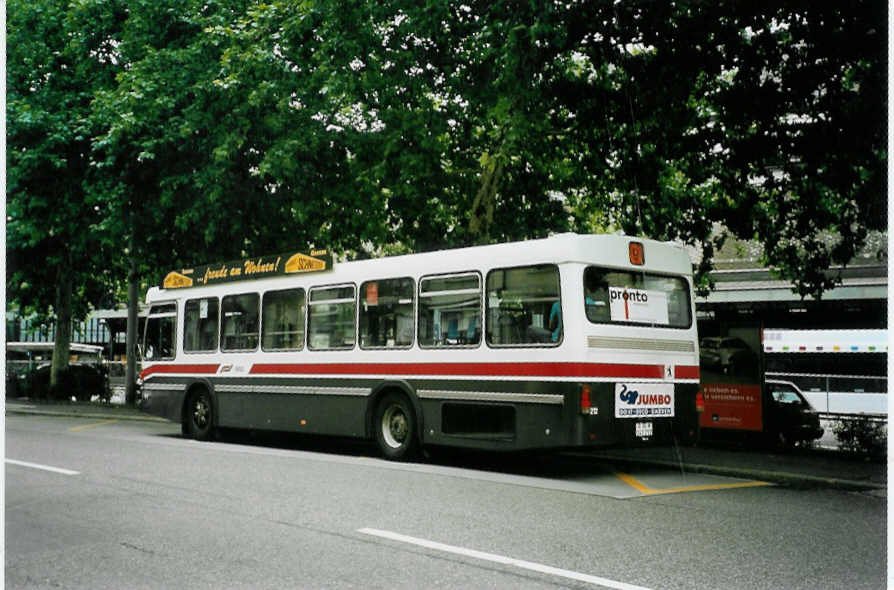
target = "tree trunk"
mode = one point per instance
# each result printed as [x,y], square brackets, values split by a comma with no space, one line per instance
[482,214]
[62,345]
[133,303]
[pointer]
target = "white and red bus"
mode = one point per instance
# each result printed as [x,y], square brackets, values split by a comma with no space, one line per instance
[569,341]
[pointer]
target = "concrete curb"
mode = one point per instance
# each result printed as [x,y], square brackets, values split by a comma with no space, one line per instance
[778,477]
[90,415]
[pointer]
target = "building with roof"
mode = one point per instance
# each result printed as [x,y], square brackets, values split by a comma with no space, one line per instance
[831,364]
[747,291]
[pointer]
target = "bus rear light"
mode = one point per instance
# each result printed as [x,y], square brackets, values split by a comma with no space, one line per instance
[699,402]
[637,253]
[585,399]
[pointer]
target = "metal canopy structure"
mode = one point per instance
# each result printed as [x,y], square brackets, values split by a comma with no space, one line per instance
[863,282]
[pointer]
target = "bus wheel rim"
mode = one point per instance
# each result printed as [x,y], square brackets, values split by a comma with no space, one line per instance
[200,412]
[395,426]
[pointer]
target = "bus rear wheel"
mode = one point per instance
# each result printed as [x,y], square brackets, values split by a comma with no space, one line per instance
[198,419]
[394,424]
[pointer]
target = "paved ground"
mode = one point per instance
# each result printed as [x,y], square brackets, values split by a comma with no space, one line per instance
[799,467]
[108,502]
[808,467]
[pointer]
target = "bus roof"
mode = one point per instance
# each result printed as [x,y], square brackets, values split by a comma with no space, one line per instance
[609,250]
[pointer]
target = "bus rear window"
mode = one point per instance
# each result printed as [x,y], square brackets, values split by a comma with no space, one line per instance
[636,298]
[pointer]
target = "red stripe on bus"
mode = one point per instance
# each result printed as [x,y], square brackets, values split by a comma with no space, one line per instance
[202,369]
[468,369]
[582,370]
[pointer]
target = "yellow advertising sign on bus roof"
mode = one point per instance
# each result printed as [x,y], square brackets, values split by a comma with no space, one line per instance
[259,267]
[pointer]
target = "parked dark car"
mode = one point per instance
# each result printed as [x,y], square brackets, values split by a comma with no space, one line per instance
[28,371]
[82,381]
[789,418]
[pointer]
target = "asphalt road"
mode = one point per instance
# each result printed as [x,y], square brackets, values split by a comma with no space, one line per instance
[133,505]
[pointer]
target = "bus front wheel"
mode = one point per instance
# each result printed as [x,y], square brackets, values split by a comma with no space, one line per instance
[198,420]
[395,428]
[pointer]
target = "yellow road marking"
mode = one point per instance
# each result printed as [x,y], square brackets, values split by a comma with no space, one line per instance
[86,426]
[647,491]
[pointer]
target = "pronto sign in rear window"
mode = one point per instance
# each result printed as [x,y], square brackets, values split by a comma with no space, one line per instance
[636,298]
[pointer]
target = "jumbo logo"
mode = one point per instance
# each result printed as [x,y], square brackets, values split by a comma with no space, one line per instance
[628,396]
[632,397]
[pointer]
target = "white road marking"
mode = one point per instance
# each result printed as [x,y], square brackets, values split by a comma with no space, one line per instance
[492,557]
[43,467]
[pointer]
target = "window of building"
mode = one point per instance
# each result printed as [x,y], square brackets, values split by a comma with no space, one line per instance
[161,330]
[450,311]
[331,318]
[523,306]
[283,320]
[386,313]
[200,325]
[240,327]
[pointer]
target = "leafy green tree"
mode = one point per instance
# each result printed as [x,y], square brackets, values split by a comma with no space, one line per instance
[181,151]
[57,56]
[194,131]
[391,103]
[802,129]
[171,193]
[471,122]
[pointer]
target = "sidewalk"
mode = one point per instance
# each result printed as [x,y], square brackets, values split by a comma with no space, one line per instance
[91,410]
[798,467]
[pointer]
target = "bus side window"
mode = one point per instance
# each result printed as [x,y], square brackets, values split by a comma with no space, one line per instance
[283,320]
[331,317]
[200,325]
[160,334]
[240,327]
[386,313]
[523,306]
[450,311]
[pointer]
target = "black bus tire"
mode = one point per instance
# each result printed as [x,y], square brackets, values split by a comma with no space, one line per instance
[394,426]
[198,416]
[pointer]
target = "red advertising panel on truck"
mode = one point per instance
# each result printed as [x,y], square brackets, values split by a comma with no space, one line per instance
[735,406]
[730,380]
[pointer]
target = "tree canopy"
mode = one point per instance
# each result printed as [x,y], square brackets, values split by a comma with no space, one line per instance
[460,122]
[205,130]
[57,260]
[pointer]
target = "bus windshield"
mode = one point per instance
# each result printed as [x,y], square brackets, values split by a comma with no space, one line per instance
[636,298]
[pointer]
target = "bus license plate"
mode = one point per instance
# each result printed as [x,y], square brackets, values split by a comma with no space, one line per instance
[644,429]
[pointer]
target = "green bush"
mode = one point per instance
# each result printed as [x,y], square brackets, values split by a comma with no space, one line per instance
[863,436]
